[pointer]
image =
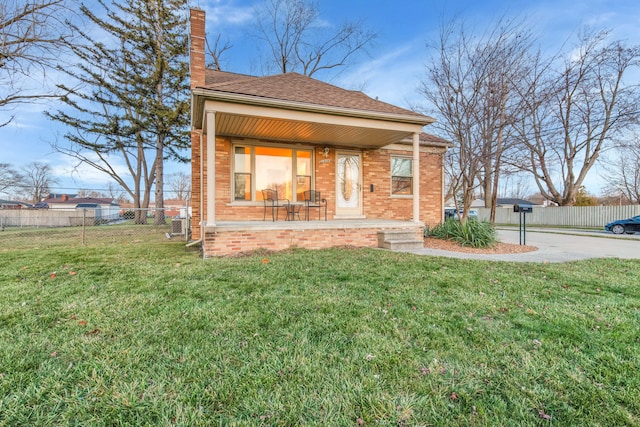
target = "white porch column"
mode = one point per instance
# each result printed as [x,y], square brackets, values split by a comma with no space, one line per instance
[416,177]
[210,117]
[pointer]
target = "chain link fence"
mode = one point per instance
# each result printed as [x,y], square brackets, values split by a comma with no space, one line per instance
[33,228]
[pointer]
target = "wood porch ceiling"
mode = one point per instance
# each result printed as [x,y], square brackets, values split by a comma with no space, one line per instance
[265,128]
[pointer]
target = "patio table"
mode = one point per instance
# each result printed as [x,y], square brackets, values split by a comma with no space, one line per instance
[293,209]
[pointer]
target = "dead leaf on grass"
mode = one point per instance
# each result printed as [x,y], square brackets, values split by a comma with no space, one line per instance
[543,415]
[82,323]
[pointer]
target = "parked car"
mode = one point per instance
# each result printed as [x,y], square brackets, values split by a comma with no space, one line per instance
[451,213]
[629,225]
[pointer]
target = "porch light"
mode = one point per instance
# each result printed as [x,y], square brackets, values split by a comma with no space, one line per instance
[325,152]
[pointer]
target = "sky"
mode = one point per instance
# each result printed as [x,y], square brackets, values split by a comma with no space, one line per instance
[392,72]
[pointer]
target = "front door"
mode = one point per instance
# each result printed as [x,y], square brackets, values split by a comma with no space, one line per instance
[348,185]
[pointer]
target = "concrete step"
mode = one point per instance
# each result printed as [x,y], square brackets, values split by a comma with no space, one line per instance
[399,240]
[401,245]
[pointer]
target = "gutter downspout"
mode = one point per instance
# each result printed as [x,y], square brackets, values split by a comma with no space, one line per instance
[416,177]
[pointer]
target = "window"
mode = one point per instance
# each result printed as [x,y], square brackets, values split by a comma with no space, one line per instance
[255,168]
[401,176]
[242,176]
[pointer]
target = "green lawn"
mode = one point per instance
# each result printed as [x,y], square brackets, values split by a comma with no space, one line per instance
[146,333]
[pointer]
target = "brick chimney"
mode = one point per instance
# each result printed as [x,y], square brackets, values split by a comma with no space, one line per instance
[196,52]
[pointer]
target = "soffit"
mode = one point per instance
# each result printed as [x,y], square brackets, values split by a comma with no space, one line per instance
[266,128]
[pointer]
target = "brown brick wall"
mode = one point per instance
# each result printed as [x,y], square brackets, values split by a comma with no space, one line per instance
[197,60]
[379,204]
[221,243]
[195,185]
[431,183]
[376,170]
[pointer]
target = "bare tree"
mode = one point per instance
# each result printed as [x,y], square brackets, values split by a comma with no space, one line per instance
[38,177]
[515,184]
[452,175]
[470,85]
[215,52]
[623,171]
[94,194]
[297,42]
[573,113]
[31,34]
[116,193]
[180,185]
[10,179]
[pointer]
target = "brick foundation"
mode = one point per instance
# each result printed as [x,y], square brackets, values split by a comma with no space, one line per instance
[223,241]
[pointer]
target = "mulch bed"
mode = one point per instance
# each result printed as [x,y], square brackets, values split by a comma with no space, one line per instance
[498,248]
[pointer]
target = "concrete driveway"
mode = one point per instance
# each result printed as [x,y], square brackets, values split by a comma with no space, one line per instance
[557,245]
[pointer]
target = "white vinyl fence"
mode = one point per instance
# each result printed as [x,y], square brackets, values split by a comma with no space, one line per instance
[566,216]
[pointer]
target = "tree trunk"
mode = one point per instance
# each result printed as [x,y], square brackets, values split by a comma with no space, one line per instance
[159,212]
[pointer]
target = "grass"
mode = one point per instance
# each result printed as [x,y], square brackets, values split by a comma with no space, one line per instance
[145,333]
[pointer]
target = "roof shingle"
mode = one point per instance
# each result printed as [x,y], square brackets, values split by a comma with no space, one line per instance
[299,88]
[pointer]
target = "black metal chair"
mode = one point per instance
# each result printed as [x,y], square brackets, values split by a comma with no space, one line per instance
[271,200]
[313,200]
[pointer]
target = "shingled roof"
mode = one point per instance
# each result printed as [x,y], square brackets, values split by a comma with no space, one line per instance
[295,87]
[430,139]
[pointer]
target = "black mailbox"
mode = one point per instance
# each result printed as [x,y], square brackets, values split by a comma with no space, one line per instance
[523,208]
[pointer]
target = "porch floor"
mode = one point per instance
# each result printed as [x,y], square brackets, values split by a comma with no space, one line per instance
[311,225]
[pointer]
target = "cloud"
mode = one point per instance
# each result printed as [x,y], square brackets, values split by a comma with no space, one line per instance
[392,77]
[73,174]
[225,13]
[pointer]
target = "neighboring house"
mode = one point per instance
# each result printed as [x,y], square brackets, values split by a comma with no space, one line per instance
[13,204]
[511,202]
[104,208]
[176,208]
[501,202]
[379,173]
[476,203]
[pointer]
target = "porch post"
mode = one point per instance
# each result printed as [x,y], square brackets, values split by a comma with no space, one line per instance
[416,177]
[211,167]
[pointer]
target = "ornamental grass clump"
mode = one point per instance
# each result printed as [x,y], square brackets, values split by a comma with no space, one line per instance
[474,233]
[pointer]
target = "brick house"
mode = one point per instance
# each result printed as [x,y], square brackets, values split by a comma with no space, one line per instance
[381,176]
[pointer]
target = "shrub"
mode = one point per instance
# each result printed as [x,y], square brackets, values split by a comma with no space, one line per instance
[474,233]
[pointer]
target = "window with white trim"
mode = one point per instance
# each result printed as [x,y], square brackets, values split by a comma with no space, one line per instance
[288,170]
[401,176]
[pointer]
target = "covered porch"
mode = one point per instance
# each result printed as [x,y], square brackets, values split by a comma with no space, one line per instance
[290,135]
[234,237]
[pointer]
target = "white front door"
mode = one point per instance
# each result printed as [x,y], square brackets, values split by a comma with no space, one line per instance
[348,185]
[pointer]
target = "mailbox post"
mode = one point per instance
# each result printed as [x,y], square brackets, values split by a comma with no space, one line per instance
[523,210]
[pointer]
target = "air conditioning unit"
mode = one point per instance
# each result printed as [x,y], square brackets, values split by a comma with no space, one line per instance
[177,226]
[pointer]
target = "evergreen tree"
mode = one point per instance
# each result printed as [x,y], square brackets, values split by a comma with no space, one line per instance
[132,100]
